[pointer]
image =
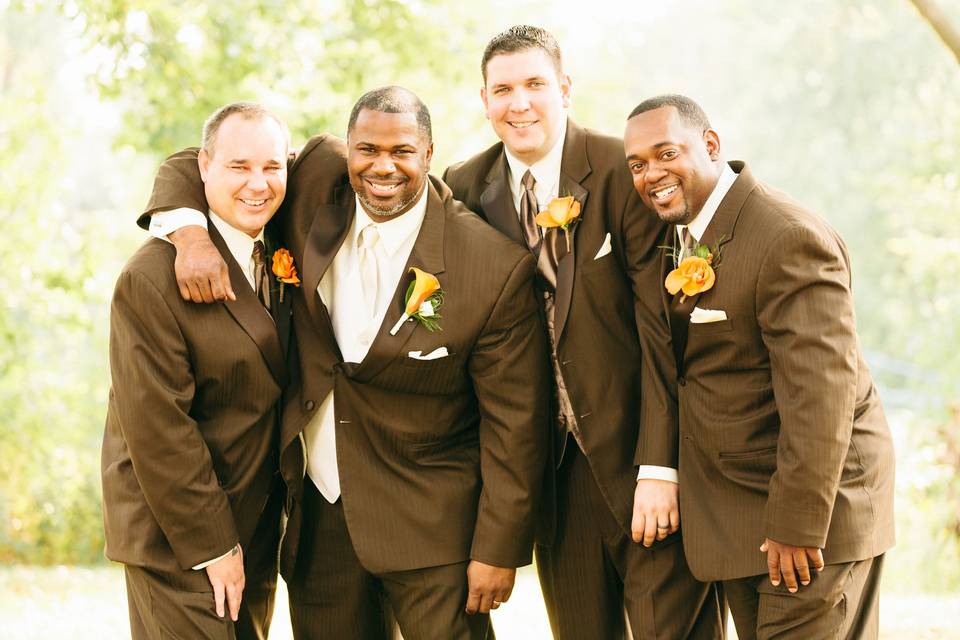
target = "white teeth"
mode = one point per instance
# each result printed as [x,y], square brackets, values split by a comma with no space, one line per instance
[384,187]
[665,192]
[253,203]
[521,125]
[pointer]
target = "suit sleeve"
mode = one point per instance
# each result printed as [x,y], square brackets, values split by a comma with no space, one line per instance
[509,367]
[176,185]
[658,433]
[805,312]
[153,387]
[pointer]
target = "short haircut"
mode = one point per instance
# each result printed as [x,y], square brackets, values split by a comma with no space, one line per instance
[246,110]
[520,38]
[690,112]
[393,99]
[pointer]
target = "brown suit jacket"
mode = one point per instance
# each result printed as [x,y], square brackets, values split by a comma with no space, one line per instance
[440,460]
[190,446]
[595,322]
[781,432]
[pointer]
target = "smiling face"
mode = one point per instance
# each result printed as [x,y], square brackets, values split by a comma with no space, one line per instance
[244,172]
[388,159]
[675,166]
[526,99]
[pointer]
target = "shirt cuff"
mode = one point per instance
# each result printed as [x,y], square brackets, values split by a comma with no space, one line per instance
[651,472]
[204,565]
[163,223]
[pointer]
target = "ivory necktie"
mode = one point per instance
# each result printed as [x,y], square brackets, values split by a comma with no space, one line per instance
[260,276]
[369,271]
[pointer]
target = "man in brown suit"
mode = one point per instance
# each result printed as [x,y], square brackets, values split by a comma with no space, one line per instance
[192,499]
[424,450]
[590,562]
[785,458]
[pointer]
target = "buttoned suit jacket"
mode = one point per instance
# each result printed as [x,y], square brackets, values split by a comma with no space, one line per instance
[595,321]
[440,461]
[780,429]
[190,448]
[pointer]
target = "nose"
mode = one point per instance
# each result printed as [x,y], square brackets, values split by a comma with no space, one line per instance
[383,165]
[519,101]
[257,181]
[654,173]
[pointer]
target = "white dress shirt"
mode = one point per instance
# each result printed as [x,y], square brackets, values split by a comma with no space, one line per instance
[546,173]
[355,325]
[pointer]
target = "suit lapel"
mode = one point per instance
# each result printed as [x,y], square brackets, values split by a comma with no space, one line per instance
[327,232]
[574,168]
[717,234]
[251,315]
[427,254]
[497,201]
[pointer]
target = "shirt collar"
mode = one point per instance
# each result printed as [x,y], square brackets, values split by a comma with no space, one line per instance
[239,243]
[396,231]
[700,223]
[546,170]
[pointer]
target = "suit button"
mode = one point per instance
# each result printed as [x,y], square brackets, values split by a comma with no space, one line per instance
[682,381]
[309,405]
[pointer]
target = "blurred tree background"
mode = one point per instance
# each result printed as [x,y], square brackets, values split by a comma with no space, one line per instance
[852,106]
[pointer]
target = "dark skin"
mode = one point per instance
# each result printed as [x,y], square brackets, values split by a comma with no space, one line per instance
[388,159]
[675,167]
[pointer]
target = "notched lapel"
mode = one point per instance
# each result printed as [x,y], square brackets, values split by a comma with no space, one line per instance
[497,202]
[574,168]
[427,254]
[252,316]
[327,232]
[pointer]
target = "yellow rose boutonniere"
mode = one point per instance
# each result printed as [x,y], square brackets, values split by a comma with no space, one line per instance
[424,298]
[284,269]
[561,212]
[695,273]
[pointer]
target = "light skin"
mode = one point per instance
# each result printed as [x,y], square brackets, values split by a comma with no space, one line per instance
[526,100]
[244,174]
[227,578]
[675,166]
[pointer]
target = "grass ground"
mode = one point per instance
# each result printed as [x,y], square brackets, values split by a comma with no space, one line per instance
[90,604]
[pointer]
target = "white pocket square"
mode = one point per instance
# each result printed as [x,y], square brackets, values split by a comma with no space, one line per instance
[604,248]
[436,354]
[703,316]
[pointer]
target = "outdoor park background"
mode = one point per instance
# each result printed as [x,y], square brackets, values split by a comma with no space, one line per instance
[852,106]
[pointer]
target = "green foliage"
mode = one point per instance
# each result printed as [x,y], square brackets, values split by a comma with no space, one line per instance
[852,106]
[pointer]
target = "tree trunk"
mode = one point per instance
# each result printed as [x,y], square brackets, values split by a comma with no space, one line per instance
[934,15]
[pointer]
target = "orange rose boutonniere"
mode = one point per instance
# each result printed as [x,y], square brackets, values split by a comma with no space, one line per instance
[695,273]
[284,269]
[424,298]
[561,212]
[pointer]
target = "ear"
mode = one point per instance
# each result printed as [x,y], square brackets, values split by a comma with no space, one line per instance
[566,86]
[483,98]
[712,142]
[429,156]
[203,161]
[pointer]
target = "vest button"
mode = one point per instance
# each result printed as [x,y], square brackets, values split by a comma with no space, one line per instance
[309,405]
[682,381]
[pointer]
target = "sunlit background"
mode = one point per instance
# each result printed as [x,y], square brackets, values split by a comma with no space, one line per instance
[851,106]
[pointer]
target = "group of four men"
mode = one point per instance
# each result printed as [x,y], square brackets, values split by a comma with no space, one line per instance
[432,378]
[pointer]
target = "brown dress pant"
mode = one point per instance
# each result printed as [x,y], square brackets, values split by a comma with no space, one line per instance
[842,601]
[181,605]
[594,573]
[333,597]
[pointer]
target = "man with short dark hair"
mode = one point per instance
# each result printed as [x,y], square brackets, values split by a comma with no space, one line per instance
[785,458]
[191,497]
[590,262]
[422,401]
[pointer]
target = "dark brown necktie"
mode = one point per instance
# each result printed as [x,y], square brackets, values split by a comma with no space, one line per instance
[260,276]
[542,243]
